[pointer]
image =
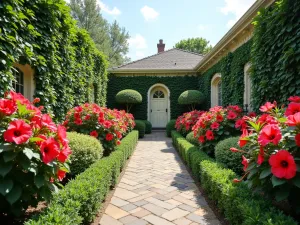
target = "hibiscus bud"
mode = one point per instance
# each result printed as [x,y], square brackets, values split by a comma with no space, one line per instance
[41,107]
[236,180]
[234,150]
[36,100]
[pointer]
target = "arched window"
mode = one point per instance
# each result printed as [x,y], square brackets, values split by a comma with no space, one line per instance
[247,87]
[158,94]
[18,82]
[23,82]
[216,90]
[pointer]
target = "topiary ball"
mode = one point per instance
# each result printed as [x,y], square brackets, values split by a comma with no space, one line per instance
[170,126]
[191,97]
[148,126]
[85,151]
[128,96]
[190,138]
[223,154]
[141,127]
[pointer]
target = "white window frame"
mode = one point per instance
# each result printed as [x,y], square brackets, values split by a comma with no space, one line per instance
[215,81]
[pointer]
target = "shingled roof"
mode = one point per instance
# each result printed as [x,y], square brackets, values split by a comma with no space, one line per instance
[173,59]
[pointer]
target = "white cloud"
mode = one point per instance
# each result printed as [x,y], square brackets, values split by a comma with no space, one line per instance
[115,11]
[149,13]
[137,42]
[237,8]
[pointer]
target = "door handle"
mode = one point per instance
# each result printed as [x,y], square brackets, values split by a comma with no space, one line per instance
[166,110]
[151,110]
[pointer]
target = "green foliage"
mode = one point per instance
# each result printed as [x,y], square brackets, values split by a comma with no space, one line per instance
[232,160]
[191,97]
[141,127]
[170,126]
[235,200]
[142,85]
[85,151]
[128,97]
[148,127]
[190,138]
[231,68]
[82,198]
[66,62]
[197,45]
[276,53]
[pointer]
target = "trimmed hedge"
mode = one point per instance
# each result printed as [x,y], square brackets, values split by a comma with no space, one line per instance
[81,198]
[239,205]
[170,126]
[141,127]
[231,160]
[148,126]
[85,151]
[190,138]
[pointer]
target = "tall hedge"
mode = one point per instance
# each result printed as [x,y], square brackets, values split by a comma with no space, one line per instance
[176,85]
[65,60]
[276,53]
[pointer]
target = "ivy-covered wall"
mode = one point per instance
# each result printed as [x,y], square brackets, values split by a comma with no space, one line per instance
[231,68]
[65,60]
[276,53]
[176,85]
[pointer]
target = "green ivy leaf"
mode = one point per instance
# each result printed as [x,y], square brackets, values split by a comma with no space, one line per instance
[6,147]
[9,156]
[276,181]
[5,186]
[14,194]
[39,180]
[5,168]
[265,173]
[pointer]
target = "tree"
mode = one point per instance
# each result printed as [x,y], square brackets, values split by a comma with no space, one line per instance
[111,39]
[191,98]
[129,98]
[197,45]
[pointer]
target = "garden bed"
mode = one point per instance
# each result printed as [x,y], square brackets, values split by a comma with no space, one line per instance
[235,200]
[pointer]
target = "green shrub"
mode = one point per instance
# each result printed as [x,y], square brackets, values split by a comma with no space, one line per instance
[141,127]
[128,97]
[170,126]
[85,151]
[148,126]
[232,160]
[190,138]
[82,197]
[235,200]
[192,98]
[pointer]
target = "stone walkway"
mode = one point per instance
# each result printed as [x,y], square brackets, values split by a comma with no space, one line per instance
[157,189]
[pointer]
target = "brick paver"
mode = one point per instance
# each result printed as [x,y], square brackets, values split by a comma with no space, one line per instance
[157,189]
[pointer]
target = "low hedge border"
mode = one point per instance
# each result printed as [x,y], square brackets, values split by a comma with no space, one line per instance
[239,205]
[82,197]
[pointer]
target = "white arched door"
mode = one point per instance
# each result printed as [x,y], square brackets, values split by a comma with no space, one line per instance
[159,107]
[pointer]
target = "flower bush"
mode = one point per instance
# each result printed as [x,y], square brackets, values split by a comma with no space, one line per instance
[107,125]
[271,159]
[217,124]
[185,122]
[33,154]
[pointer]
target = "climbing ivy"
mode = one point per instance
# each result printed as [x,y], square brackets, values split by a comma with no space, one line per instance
[276,53]
[176,85]
[66,62]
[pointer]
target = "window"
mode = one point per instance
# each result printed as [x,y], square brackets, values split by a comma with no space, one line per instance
[158,94]
[18,83]
[247,87]
[216,90]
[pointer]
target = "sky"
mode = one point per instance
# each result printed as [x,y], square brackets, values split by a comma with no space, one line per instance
[147,21]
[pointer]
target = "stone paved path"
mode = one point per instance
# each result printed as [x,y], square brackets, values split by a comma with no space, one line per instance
[157,189]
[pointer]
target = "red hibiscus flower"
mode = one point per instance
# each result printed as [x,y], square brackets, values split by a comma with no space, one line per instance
[243,140]
[202,139]
[283,165]
[261,156]
[107,124]
[267,107]
[94,134]
[19,97]
[109,137]
[240,124]
[269,134]
[293,120]
[292,108]
[266,118]
[294,99]
[46,121]
[18,132]
[214,126]
[252,114]
[219,118]
[49,150]
[231,115]
[209,135]
[62,134]
[64,154]
[297,140]
[7,107]
[42,138]
[61,175]
[245,163]
[78,121]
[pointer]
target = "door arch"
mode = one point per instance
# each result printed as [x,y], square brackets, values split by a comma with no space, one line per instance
[159,105]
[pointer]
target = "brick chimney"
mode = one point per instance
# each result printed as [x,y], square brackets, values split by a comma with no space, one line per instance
[160,46]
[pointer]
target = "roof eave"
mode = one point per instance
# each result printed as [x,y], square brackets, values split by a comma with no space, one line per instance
[152,71]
